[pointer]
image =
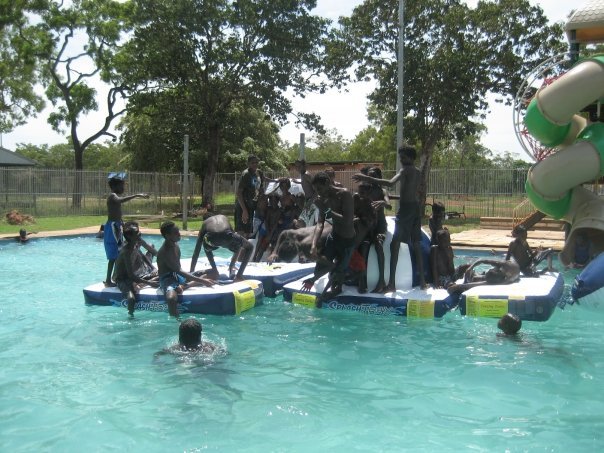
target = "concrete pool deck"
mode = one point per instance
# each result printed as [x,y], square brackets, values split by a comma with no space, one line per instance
[478,238]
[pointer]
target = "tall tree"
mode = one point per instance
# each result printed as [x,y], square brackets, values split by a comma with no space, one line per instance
[223,53]
[75,43]
[19,71]
[454,55]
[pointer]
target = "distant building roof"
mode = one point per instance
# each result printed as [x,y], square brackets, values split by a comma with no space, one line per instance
[12,159]
[587,23]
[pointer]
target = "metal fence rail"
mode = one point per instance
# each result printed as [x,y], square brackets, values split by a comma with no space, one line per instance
[43,192]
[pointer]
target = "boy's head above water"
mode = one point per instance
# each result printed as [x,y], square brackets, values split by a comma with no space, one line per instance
[509,324]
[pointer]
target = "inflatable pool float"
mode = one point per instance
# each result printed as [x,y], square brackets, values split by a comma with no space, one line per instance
[411,302]
[531,298]
[273,276]
[220,299]
[408,300]
[588,287]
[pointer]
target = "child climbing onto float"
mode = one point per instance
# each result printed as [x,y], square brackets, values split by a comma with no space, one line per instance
[500,273]
[133,269]
[172,279]
[215,232]
[408,218]
[525,256]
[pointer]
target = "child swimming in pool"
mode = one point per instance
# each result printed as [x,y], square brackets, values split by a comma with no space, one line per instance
[189,340]
[172,279]
[509,324]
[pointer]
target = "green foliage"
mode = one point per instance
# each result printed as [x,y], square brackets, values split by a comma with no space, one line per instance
[221,60]
[107,157]
[18,69]
[454,55]
[75,43]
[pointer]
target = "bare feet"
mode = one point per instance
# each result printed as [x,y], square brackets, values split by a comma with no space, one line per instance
[379,288]
[390,288]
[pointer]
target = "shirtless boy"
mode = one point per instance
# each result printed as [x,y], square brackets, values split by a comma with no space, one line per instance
[298,242]
[408,218]
[335,203]
[113,238]
[216,232]
[444,273]
[132,270]
[501,273]
[172,279]
[527,258]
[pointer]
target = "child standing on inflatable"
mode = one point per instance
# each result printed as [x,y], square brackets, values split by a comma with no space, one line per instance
[113,236]
[172,279]
[408,218]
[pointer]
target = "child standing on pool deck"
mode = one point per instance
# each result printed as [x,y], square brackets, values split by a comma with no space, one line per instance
[172,279]
[113,236]
[408,218]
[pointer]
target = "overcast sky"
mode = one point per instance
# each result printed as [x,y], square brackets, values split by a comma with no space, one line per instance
[343,111]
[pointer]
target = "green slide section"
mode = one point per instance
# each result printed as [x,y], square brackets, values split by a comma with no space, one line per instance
[553,208]
[548,133]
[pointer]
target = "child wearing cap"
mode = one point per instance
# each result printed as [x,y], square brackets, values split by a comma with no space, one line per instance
[113,236]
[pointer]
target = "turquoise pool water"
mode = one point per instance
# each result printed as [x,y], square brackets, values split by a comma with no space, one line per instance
[83,378]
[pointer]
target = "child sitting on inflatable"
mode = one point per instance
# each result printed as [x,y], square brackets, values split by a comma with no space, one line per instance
[172,279]
[444,273]
[133,270]
[527,258]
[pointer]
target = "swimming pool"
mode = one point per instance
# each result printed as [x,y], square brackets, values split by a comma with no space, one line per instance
[77,377]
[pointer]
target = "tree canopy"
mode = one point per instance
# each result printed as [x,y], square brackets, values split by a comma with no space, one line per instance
[220,57]
[453,56]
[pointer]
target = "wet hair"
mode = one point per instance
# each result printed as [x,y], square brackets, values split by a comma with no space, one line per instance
[22,233]
[189,333]
[365,170]
[518,229]
[166,228]
[287,251]
[251,158]
[510,324]
[330,171]
[375,172]
[131,230]
[495,276]
[407,151]
[321,178]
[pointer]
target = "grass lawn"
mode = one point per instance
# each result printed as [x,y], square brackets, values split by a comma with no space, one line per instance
[193,224]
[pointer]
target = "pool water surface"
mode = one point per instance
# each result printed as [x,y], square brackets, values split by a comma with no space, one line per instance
[84,378]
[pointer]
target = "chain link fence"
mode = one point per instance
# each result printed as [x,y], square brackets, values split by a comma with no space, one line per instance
[41,192]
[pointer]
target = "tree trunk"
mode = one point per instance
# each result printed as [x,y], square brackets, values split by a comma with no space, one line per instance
[209,175]
[76,197]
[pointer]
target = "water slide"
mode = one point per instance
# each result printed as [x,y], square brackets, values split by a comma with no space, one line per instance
[554,185]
